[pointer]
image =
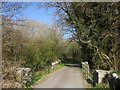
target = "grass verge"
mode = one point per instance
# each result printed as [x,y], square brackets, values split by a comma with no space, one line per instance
[40,75]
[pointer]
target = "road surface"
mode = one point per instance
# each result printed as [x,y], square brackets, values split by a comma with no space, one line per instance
[67,77]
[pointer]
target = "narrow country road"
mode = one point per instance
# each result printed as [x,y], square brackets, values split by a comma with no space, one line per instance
[67,77]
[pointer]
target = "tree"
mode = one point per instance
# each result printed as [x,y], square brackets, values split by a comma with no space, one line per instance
[13,10]
[94,26]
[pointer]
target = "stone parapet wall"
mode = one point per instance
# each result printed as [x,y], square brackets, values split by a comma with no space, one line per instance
[86,69]
[55,63]
[99,75]
[23,75]
[114,82]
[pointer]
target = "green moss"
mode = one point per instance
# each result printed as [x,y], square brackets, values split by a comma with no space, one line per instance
[117,71]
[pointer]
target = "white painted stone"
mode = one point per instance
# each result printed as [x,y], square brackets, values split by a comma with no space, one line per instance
[85,67]
[101,74]
[115,75]
[55,63]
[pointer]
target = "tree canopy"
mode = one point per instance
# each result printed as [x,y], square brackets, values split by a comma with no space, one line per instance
[94,26]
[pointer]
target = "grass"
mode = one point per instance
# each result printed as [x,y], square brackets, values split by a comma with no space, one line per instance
[100,86]
[117,71]
[38,76]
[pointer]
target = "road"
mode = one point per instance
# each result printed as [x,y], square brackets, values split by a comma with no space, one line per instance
[67,77]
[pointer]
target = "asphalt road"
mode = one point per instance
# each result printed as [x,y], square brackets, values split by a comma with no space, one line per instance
[67,77]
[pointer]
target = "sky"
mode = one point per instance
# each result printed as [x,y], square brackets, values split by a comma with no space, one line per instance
[42,15]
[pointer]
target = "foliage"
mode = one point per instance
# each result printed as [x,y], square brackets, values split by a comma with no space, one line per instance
[116,71]
[42,74]
[71,52]
[24,48]
[94,26]
[27,43]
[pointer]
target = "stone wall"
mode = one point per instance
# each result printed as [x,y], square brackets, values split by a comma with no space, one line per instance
[114,82]
[23,76]
[86,69]
[99,75]
[55,63]
[102,76]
